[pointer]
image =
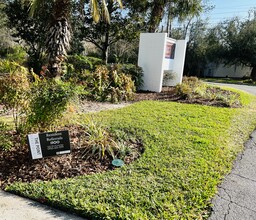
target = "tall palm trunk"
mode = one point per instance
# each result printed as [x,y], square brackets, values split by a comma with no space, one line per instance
[58,36]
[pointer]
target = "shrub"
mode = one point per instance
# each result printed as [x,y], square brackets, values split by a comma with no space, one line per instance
[190,88]
[132,70]
[194,89]
[16,54]
[98,141]
[14,89]
[49,99]
[108,85]
[81,63]
[77,65]
[5,139]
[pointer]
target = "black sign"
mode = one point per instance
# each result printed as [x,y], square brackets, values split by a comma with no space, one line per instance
[49,144]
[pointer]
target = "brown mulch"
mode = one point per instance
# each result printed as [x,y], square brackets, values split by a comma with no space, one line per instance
[169,94]
[17,165]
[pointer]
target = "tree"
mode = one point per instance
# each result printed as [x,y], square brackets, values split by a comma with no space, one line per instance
[197,48]
[58,33]
[30,31]
[120,26]
[6,40]
[155,10]
[237,43]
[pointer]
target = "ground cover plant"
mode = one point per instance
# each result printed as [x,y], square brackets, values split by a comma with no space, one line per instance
[243,81]
[187,150]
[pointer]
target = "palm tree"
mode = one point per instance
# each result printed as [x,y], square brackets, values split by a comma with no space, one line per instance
[59,29]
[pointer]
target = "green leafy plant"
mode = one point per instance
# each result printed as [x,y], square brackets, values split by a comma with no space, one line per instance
[108,85]
[14,90]
[5,138]
[134,71]
[98,142]
[16,54]
[192,89]
[48,101]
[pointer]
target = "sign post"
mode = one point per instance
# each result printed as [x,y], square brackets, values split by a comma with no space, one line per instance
[49,144]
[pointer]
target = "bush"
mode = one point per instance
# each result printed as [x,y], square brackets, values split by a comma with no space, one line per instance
[190,88]
[98,142]
[14,89]
[49,99]
[82,63]
[5,139]
[16,54]
[108,85]
[193,89]
[77,65]
[132,70]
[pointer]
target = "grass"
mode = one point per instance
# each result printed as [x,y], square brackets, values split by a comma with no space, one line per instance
[188,150]
[230,80]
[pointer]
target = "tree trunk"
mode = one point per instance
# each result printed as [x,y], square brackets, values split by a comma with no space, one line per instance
[59,36]
[156,15]
[106,45]
[105,55]
[253,73]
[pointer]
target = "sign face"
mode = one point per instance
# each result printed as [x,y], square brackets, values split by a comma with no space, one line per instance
[170,50]
[49,144]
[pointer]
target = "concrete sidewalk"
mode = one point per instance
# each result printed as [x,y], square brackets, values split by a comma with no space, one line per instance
[236,198]
[13,207]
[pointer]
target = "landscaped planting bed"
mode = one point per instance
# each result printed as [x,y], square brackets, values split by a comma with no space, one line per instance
[188,149]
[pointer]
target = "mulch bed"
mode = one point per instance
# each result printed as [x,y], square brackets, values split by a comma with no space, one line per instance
[17,165]
[169,94]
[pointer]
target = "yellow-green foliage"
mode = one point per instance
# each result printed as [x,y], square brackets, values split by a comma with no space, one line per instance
[109,85]
[190,88]
[14,89]
[48,100]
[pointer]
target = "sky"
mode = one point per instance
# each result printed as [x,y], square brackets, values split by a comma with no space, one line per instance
[225,9]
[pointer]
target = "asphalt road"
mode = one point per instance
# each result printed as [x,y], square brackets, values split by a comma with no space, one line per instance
[249,89]
[236,198]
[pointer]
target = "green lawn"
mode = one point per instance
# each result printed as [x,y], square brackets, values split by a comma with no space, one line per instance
[188,150]
[229,80]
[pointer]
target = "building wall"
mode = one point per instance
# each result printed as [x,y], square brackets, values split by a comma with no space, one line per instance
[220,70]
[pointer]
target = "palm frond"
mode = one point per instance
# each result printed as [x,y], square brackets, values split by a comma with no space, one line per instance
[95,10]
[120,3]
[105,12]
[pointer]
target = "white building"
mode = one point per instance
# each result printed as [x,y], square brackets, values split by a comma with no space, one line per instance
[220,70]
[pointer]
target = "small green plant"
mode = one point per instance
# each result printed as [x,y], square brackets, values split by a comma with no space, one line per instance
[98,142]
[134,71]
[108,85]
[14,90]
[168,75]
[16,54]
[5,138]
[48,101]
[190,88]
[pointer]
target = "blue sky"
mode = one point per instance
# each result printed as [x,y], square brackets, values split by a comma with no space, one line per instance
[225,9]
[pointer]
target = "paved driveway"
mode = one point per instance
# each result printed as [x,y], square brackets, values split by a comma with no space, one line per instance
[236,197]
[249,89]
